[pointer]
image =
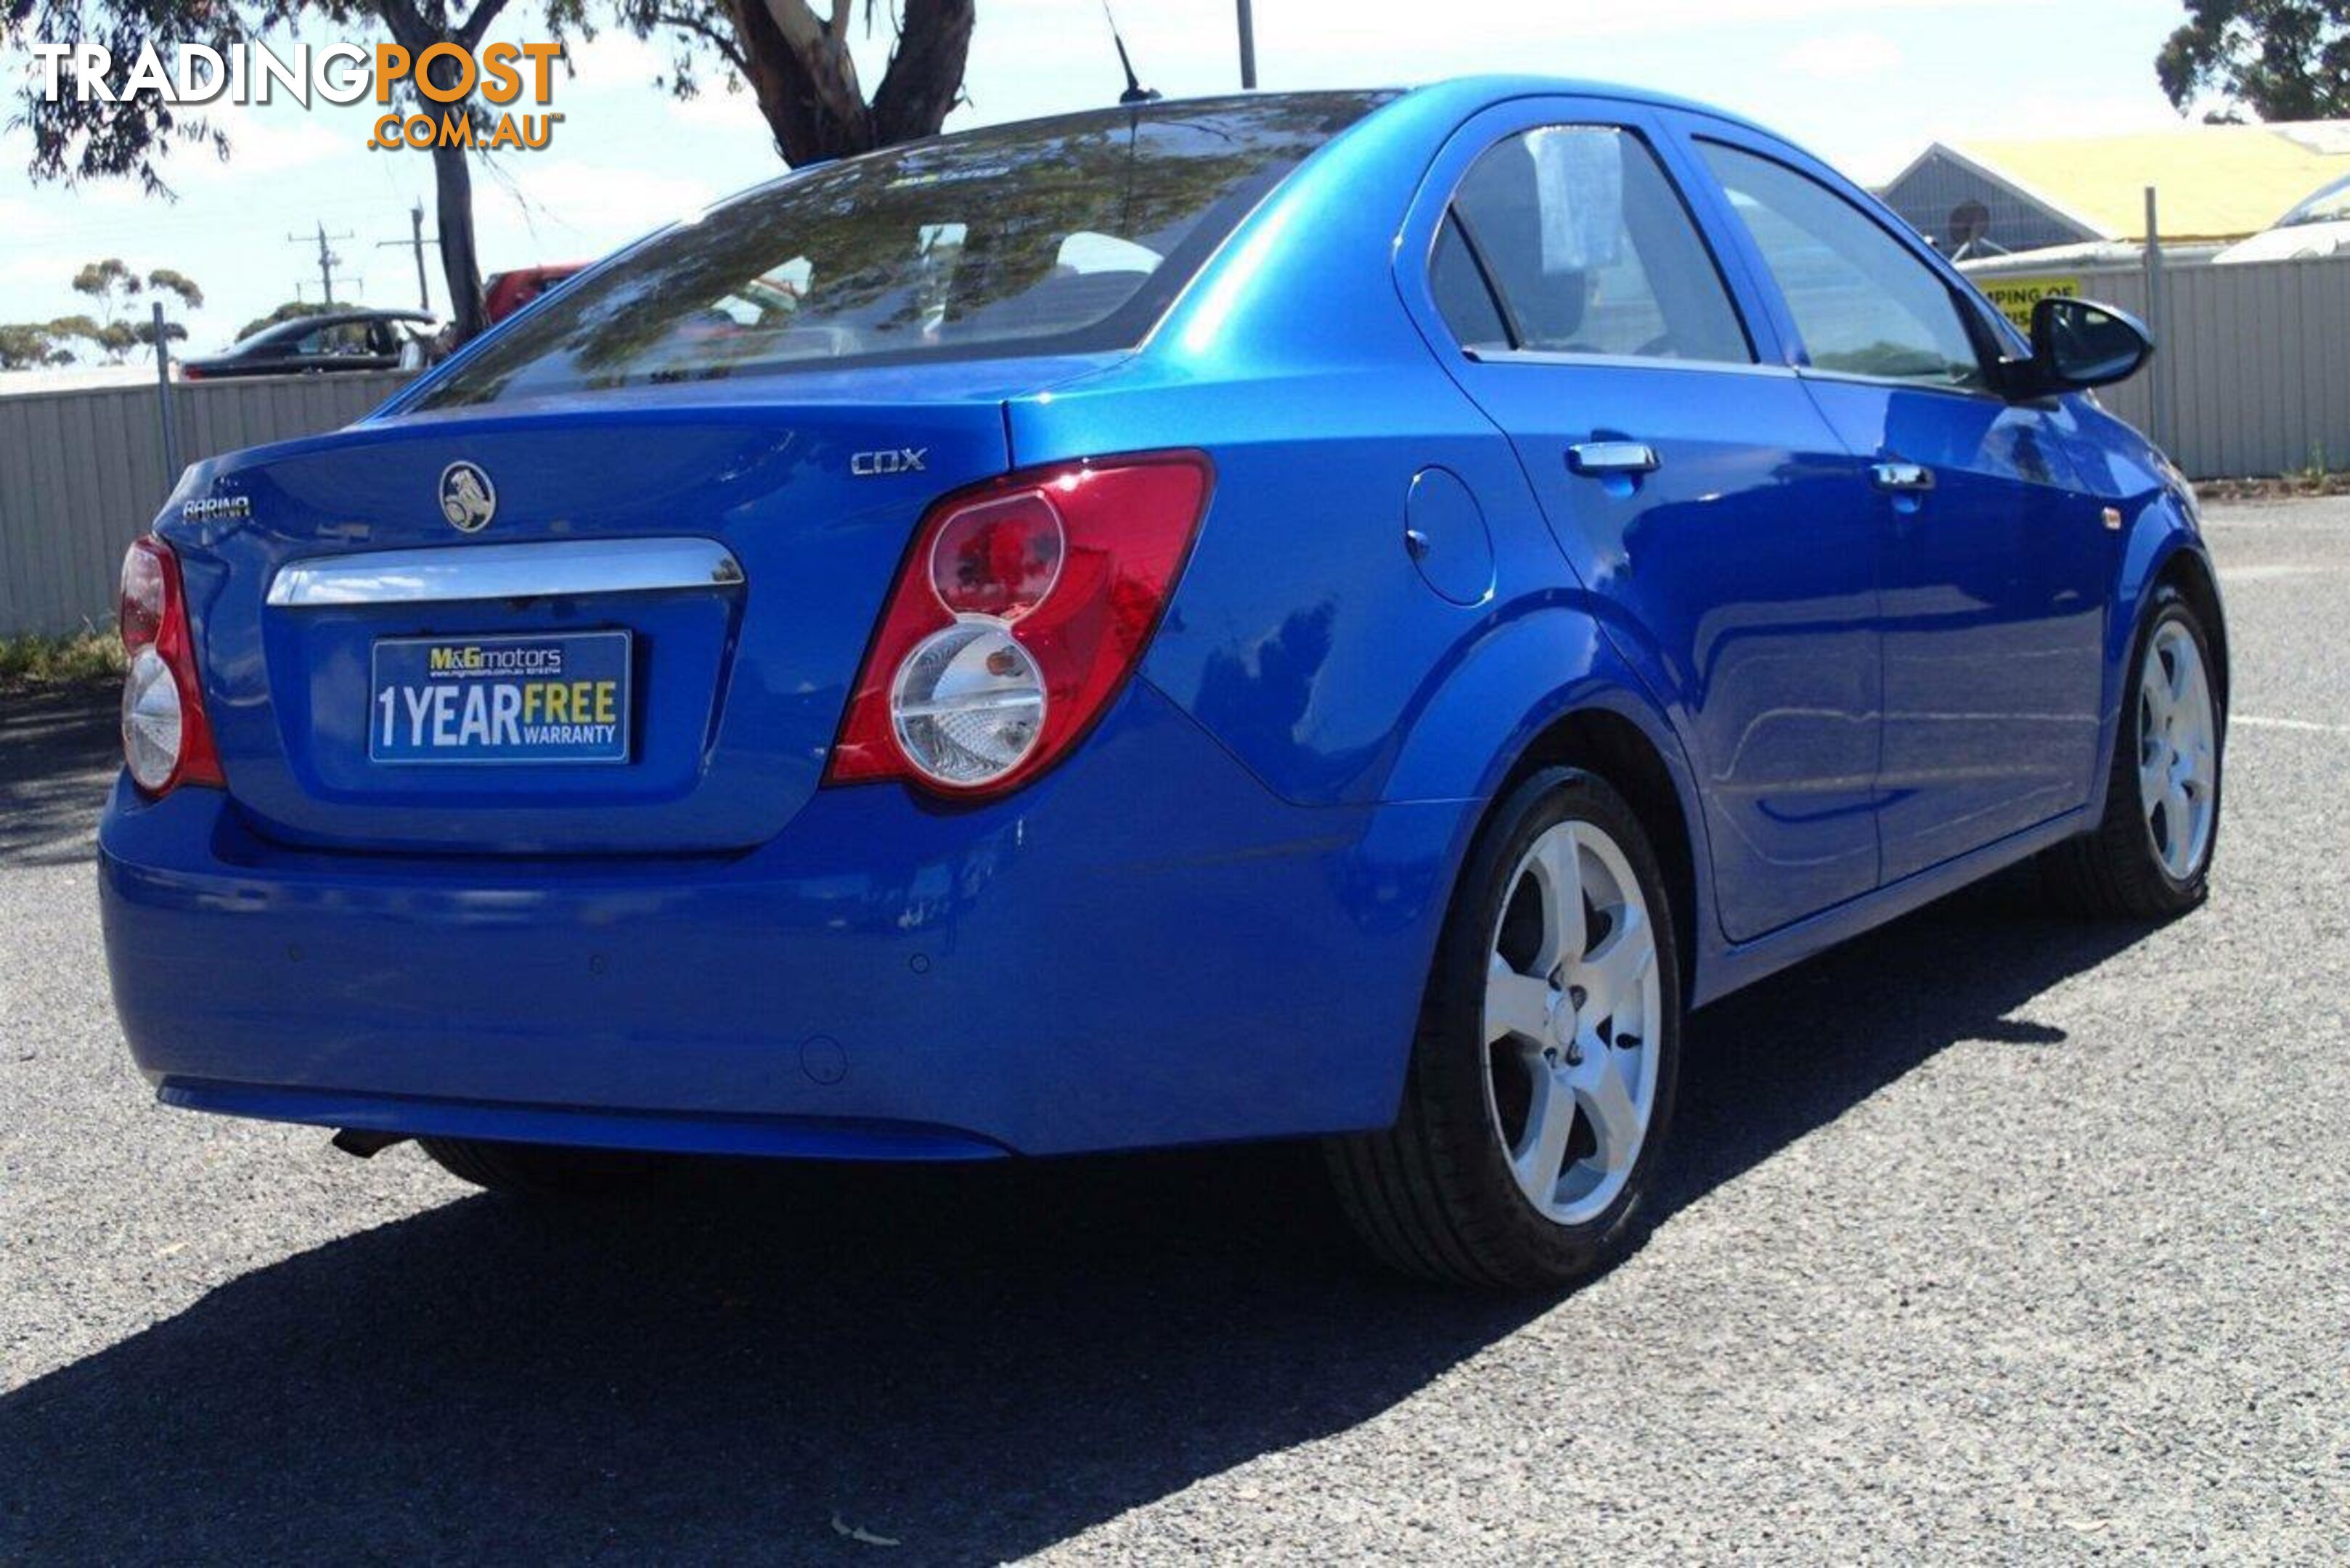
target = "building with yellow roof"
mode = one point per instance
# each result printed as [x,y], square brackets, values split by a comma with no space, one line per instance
[2215,183]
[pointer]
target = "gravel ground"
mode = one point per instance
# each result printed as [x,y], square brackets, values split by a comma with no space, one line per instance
[1988,1237]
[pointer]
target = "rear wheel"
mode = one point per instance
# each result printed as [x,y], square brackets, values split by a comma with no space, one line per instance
[541,1170]
[1542,1079]
[2151,855]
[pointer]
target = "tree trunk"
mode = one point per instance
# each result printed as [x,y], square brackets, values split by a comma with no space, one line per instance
[805,83]
[460,270]
[453,173]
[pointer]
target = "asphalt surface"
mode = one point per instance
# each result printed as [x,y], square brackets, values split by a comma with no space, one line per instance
[1991,1236]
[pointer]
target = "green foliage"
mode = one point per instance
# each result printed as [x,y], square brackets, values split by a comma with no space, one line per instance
[113,285]
[105,280]
[179,283]
[2280,59]
[27,344]
[76,658]
[292,310]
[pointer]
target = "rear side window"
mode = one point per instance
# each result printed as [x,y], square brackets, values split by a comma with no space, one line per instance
[1068,235]
[1588,249]
[1864,304]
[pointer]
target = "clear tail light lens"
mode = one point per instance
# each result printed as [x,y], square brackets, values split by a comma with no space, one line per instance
[166,740]
[1022,609]
[153,723]
[969,704]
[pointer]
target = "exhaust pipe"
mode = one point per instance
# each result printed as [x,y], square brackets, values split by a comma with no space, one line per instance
[360,1144]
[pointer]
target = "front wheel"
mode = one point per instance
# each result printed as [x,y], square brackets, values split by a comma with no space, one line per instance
[2151,856]
[1542,1079]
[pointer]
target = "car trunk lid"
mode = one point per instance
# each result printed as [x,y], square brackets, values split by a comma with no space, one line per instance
[720,567]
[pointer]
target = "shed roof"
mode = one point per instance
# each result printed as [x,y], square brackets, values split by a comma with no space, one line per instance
[2215,182]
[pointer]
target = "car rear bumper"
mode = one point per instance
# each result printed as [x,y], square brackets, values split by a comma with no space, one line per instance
[1144,947]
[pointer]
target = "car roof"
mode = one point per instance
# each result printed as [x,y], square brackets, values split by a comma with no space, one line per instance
[303,325]
[1471,93]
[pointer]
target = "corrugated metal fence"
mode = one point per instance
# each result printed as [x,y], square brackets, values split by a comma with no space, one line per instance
[83,474]
[2251,372]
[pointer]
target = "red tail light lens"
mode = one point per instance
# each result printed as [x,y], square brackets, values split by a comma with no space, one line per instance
[166,740]
[1021,611]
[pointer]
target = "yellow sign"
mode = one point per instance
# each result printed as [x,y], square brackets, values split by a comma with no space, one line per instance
[2016,295]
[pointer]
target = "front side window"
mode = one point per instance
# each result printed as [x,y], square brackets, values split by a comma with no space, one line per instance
[1068,235]
[1570,239]
[2330,205]
[1864,305]
[343,337]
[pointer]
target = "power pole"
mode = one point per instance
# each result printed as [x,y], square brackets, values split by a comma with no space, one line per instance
[1248,46]
[328,260]
[416,226]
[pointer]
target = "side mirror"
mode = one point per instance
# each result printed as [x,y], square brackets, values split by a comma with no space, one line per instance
[2077,344]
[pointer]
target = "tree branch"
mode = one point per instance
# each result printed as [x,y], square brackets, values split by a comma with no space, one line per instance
[925,74]
[699,26]
[798,23]
[485,12]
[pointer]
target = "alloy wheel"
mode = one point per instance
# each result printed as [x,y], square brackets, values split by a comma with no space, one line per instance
[1572,1002]
[2177,766]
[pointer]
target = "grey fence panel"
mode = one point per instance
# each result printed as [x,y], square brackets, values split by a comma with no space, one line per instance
[2262,356]
[83,472]
[2253,369]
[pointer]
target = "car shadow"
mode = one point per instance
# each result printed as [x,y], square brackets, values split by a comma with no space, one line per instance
[59,747]
[975,1362]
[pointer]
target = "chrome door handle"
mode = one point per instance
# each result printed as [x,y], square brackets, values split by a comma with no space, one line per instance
[1612,457]
[1903,478]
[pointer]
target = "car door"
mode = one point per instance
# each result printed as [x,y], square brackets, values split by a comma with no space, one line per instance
[1698,493]
[1994,559]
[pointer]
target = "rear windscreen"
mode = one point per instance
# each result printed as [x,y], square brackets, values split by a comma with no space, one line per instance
[1068,235]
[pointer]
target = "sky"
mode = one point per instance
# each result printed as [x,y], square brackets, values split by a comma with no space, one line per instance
[1866,84]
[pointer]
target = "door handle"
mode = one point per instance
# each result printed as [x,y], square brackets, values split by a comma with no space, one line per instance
[1903,478]
[1601,457]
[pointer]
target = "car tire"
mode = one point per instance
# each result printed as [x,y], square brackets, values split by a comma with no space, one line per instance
[2138,863]
[543,1171]
[1463,1188]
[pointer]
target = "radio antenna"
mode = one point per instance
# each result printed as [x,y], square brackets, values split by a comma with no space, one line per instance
[1135,92]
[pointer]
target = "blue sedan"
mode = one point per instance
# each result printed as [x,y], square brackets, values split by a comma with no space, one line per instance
[1339,615]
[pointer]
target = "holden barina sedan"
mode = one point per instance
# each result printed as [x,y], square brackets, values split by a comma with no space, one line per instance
[1337,615]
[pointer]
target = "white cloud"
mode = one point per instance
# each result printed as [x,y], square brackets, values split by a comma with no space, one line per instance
[2061,114]
[614,61]
[1842,56]
[266,142]
[714,110]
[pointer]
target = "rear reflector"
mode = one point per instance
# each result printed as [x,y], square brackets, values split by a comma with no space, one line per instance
[1019,614]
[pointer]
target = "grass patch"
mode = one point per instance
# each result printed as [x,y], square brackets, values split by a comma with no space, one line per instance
[71,659]
[2316,480]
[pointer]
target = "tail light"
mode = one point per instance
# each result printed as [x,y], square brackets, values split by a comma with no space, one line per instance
[166,740]
[1018,615]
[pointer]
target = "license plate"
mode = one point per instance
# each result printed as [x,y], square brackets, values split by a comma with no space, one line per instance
[557,698]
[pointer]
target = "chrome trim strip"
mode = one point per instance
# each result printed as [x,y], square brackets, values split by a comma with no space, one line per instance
[540,569]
